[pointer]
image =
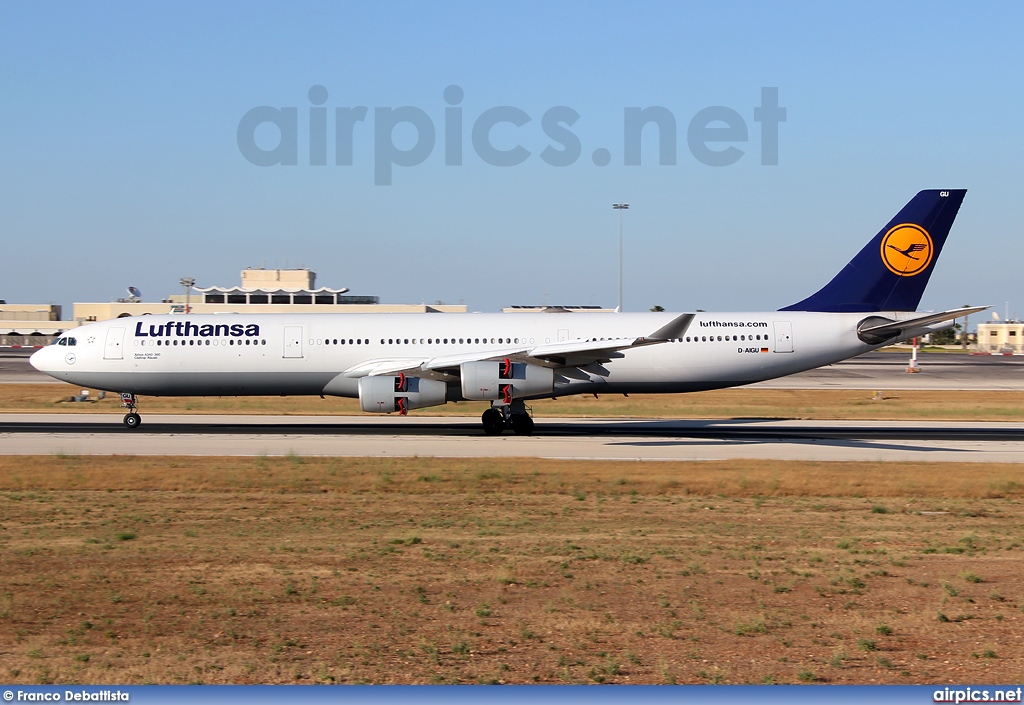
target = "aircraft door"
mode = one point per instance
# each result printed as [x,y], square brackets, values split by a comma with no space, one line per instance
[113,349]
[783,336]
[293,341]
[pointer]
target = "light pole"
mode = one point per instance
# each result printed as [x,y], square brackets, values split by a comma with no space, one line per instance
[620,207]
[963,333]
[188,283]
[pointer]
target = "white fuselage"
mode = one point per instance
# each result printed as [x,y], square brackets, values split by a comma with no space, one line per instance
[241,354]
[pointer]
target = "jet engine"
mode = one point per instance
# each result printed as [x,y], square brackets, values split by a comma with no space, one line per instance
[504,380]
[387,394]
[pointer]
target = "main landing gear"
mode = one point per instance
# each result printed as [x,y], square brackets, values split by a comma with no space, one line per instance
[502,416]
[132,420]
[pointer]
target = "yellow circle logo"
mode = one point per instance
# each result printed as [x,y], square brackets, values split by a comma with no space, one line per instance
[907,250]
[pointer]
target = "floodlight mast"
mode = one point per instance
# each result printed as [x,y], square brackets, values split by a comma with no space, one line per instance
[620,207]
[188,283]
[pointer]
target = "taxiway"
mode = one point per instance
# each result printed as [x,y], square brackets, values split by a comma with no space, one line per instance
[594,439]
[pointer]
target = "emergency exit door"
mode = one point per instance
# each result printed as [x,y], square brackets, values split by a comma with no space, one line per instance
[293,341]
[783,336]
[113,349]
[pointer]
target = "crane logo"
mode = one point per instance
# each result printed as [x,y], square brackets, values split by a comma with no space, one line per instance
[907,250]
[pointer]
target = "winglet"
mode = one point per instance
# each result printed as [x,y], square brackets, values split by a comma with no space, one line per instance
[674,329]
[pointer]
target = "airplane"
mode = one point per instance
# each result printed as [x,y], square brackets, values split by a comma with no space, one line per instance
[394,363]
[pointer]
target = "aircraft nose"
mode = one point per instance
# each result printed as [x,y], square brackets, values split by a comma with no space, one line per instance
[39,359]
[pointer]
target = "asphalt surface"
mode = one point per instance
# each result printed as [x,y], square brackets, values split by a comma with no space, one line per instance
[15,368]
[609,439]
[596,439]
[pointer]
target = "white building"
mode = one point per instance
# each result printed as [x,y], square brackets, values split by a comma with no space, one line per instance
[1001,337]
[261,291]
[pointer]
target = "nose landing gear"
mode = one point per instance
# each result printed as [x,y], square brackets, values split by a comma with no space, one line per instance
[513,415]
[132,420]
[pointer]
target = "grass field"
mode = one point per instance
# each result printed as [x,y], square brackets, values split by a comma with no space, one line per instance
[726,403]
[321,570]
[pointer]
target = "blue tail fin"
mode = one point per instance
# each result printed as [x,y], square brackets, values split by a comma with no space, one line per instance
[890,273]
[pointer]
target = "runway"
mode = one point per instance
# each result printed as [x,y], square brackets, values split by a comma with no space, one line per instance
[607,439]
[591,439]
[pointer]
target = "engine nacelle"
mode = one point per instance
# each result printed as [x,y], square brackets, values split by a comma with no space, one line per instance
[385,395]
[504,380]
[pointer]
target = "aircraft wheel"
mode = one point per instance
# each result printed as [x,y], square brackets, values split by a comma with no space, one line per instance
[132,420]
[522,424]
[494,422]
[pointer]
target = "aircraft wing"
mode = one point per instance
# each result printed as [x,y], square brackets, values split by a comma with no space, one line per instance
[567,354]
[575,353]
[385,366]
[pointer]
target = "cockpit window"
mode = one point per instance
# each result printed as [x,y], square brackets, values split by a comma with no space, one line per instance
[72,341]
[61,341]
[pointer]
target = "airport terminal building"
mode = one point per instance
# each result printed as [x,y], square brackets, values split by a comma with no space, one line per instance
[260,291]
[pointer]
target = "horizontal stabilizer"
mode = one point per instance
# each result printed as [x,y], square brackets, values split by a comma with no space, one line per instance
[875,330]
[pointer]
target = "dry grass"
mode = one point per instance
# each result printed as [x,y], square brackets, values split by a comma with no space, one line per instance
[457,476]
[299,570]
[726,403]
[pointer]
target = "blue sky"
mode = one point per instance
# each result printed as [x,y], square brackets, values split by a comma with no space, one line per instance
[121,163]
